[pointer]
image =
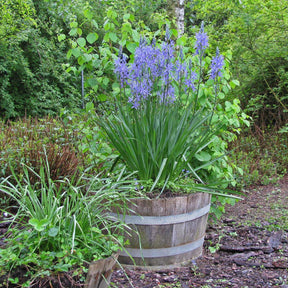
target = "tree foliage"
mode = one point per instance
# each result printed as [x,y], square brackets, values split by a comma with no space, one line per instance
[15,16]
[35,36]
[34,78]
[256,31]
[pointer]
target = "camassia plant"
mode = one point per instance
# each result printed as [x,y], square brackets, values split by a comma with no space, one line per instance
[158,125]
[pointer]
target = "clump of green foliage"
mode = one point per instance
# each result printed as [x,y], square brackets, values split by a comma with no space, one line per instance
[32,81]
[60,225]
[256,34]
[96,152]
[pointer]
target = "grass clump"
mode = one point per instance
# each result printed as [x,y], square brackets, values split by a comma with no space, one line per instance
[60,225]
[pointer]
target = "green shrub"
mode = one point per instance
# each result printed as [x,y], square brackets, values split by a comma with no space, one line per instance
[32,80]
[256,32]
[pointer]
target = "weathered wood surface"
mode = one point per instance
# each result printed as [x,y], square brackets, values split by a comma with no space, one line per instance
[178,241]
[99,273]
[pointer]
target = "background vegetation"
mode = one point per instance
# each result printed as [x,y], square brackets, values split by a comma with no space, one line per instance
[57,70]
[56,58]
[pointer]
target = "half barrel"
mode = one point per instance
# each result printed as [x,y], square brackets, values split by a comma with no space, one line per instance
[170,230]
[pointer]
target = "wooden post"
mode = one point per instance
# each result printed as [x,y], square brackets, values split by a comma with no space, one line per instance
[99,273]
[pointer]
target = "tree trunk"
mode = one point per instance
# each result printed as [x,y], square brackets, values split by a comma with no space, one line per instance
[176,10]
[179,11]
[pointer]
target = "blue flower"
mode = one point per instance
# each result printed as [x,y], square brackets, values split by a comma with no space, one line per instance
[157,70]
[121,69]
[201,41]
[190,81]
[217,64]
[181,70]
[151,65]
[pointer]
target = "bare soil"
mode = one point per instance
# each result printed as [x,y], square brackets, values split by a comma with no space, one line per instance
[248,247]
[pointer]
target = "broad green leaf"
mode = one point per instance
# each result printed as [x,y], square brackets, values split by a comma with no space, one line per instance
[73,32]
[60,254]
[102,97]
[81,60]
[74,69]
[81,42]
[76,52]
[132,18]
[53,231]
[122,42]
[69,54]
[89,106]
[39,225]
[74,24]
[88,57]
[181,41]
[174,32]
[61,37]
[92,37]
[226,75]
[131,47]
[106,37]
[203,156]
[92,82]
[135,36]
[79,31]
[88,14]
[95,88]
[111,14]
[107,26]
[62,267]
[113,37]
[126,16]
[225,89]
[221,95]
[106,81]
[236,82]
[126,27]
[74,44]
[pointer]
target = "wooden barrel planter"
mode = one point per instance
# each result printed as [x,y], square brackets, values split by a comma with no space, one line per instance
[171,230]
[100,272]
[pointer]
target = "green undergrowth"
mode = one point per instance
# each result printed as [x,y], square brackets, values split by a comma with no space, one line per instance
[74,146]
[60,225]
[279,206]
[263,158]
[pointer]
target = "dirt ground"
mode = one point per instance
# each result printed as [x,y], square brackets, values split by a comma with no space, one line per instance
[248,247]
